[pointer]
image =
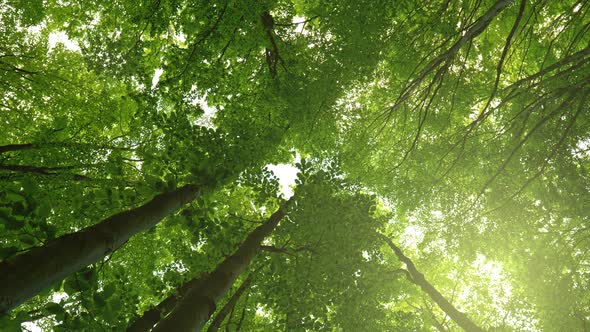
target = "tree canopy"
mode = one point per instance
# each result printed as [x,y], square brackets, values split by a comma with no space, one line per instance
[441,149]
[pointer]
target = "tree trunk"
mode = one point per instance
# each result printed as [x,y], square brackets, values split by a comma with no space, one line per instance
[25,275]
[216,323]
[51,171]
[194,309]
[152,316]
[31,146]
[418,278]
[16,147]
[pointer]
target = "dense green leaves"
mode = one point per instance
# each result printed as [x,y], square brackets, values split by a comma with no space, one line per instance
[458,128]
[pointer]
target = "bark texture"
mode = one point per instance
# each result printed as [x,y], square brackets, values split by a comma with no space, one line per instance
[216,323]
[193,310]
[418,278]
[25,275]
[152,316]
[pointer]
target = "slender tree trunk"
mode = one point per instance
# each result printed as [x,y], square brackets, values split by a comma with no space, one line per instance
[25,275]
[194,309]
[243,314]
[31,146]
[51,171]
[35,169]
[152,316]
[16,147]
[231,314]
[418,278]
[216,323]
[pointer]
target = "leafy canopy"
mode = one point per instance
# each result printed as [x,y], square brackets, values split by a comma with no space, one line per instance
[459,129]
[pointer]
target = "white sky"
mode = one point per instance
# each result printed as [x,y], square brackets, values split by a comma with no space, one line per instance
[60,37]
[156,77]
[300,26]
[287,175]
[31,326]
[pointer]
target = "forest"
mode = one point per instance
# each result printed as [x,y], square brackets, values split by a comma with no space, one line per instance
[294,165]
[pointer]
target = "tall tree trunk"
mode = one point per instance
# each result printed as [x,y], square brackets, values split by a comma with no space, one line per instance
[50,171]
[25,275]
[16,147]
[152,316]
[194,309]
[216,323]
[32,146]
[418,278]
[243,314]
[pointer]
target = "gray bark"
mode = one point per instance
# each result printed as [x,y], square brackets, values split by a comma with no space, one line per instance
[193,310]
[152,316]
[216,323]
[27,274]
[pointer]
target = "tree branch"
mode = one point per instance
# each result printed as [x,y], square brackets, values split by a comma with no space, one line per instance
[418,278]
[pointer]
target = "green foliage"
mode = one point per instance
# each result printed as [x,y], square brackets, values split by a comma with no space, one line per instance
[468,147]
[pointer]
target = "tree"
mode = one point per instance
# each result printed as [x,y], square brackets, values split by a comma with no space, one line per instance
[38,268]
[199,303]
[418,278]
[460,129]
[229,306]
[152,316]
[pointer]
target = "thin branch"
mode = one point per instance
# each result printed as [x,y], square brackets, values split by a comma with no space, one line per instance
[229,306]
[297,23]
[418,278]
[477,28]
[503,57]
[51,171]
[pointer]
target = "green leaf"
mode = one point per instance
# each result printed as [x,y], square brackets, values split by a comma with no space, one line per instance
[27,239]
[109,290]
[7,252]
[9,325]
[57,310]
[99,299]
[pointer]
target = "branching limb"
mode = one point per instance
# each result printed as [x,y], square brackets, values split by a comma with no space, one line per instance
[418,278]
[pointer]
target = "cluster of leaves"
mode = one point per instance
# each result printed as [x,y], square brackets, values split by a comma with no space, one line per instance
[459,128]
